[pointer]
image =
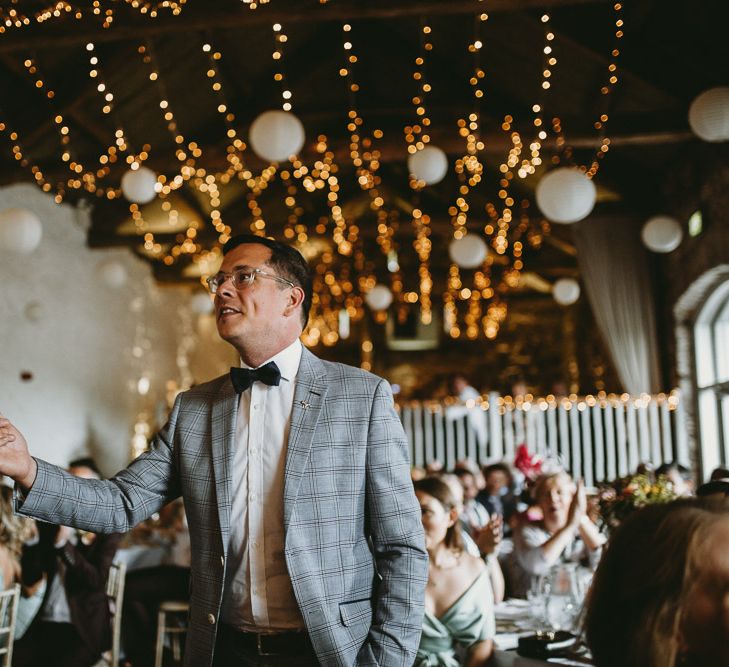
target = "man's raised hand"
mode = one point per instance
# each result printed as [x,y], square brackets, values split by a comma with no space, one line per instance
[15,461]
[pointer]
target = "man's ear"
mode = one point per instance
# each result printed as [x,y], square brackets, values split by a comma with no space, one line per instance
[296,298]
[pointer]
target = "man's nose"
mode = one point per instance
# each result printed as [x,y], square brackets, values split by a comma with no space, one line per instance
[226,287]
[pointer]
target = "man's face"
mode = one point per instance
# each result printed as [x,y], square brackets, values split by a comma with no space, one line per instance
[254,313]
[459,384]
[496,480]
[470,488]
[83,471]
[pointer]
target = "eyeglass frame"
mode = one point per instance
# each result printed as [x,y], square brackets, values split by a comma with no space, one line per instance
[251,275]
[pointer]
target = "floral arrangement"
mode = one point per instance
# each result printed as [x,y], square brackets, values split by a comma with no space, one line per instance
[623,496]
[530,465]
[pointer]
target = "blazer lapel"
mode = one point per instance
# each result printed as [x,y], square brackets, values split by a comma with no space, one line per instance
[309,398]
[225,410]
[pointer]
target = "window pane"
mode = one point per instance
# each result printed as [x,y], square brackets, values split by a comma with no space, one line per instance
[724,418]
[721,344]
[704,355]
[709,430]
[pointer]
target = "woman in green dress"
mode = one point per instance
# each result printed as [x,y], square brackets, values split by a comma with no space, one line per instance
[458,626]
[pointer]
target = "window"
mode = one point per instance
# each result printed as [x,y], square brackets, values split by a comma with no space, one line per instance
[711,340]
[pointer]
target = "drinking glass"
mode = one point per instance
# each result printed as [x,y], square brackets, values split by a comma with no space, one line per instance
[563,602]
[537,595]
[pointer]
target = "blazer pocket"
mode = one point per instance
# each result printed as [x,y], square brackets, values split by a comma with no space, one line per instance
[358,611]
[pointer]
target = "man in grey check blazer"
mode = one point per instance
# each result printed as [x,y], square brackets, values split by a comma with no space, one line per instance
[307,544]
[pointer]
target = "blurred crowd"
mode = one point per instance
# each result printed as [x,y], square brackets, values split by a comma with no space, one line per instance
[492,532]
[63,612]
[499,531]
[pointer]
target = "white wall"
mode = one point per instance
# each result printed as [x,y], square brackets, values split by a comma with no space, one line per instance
[75,335]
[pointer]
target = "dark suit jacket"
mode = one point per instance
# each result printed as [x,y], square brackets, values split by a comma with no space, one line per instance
[87,569]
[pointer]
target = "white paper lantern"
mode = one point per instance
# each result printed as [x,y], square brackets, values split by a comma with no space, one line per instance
[662,234]
[566,195]
[379,297]
[138,185]
[201,303]
[276,135]
[566,291]
[709,114]
[468,252]
[111,273]
[20,231]
[429,165]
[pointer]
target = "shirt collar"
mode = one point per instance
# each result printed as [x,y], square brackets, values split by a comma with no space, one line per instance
[287,361]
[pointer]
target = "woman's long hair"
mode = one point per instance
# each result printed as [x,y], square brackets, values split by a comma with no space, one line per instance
[438,489]
[14,529]
[636,602]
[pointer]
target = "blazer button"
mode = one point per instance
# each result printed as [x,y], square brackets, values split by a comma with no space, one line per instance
[211,619]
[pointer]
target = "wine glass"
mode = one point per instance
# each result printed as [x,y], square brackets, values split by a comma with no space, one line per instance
[537,595]
[563,603]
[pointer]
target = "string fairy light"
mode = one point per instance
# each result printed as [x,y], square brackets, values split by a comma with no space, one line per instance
[120,144]
[605,91]
[564,150]
[549,61]
[87,179]
[365,158]
[235,145]
[14,18]
[279,76]
[254,4]
[416,135]
[24,160]
[469,170]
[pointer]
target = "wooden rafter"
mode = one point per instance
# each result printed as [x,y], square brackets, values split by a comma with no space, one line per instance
[224,20]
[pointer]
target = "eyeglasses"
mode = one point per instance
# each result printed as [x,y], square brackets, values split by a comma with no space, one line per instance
[242,278]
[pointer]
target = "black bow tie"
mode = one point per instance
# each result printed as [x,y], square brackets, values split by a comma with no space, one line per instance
[242,378]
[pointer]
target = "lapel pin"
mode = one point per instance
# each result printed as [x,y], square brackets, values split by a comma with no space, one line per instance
[305,404]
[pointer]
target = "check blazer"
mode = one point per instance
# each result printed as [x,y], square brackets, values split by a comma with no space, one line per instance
[354,543]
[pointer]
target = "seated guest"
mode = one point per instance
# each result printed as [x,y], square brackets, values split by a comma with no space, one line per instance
[14,531]
[458,626]
[146,587]
[658,598]
[679,476]
[475,515]
[717,486]
[564,533]
[483,542]
[497,496]
[73,627]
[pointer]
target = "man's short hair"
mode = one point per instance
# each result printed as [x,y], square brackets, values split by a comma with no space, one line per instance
[85,462]
[682,470]
[288,262]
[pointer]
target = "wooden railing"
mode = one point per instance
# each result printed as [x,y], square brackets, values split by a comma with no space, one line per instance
[595,437]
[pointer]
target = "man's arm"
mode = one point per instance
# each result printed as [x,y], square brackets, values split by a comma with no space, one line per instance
[101,506]
[397,537]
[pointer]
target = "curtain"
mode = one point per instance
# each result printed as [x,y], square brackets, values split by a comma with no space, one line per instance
[613,265]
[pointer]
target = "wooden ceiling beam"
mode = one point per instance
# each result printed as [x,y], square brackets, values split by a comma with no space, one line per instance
[221,20]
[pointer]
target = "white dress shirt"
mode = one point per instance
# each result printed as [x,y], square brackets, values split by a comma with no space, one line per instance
[258,595]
